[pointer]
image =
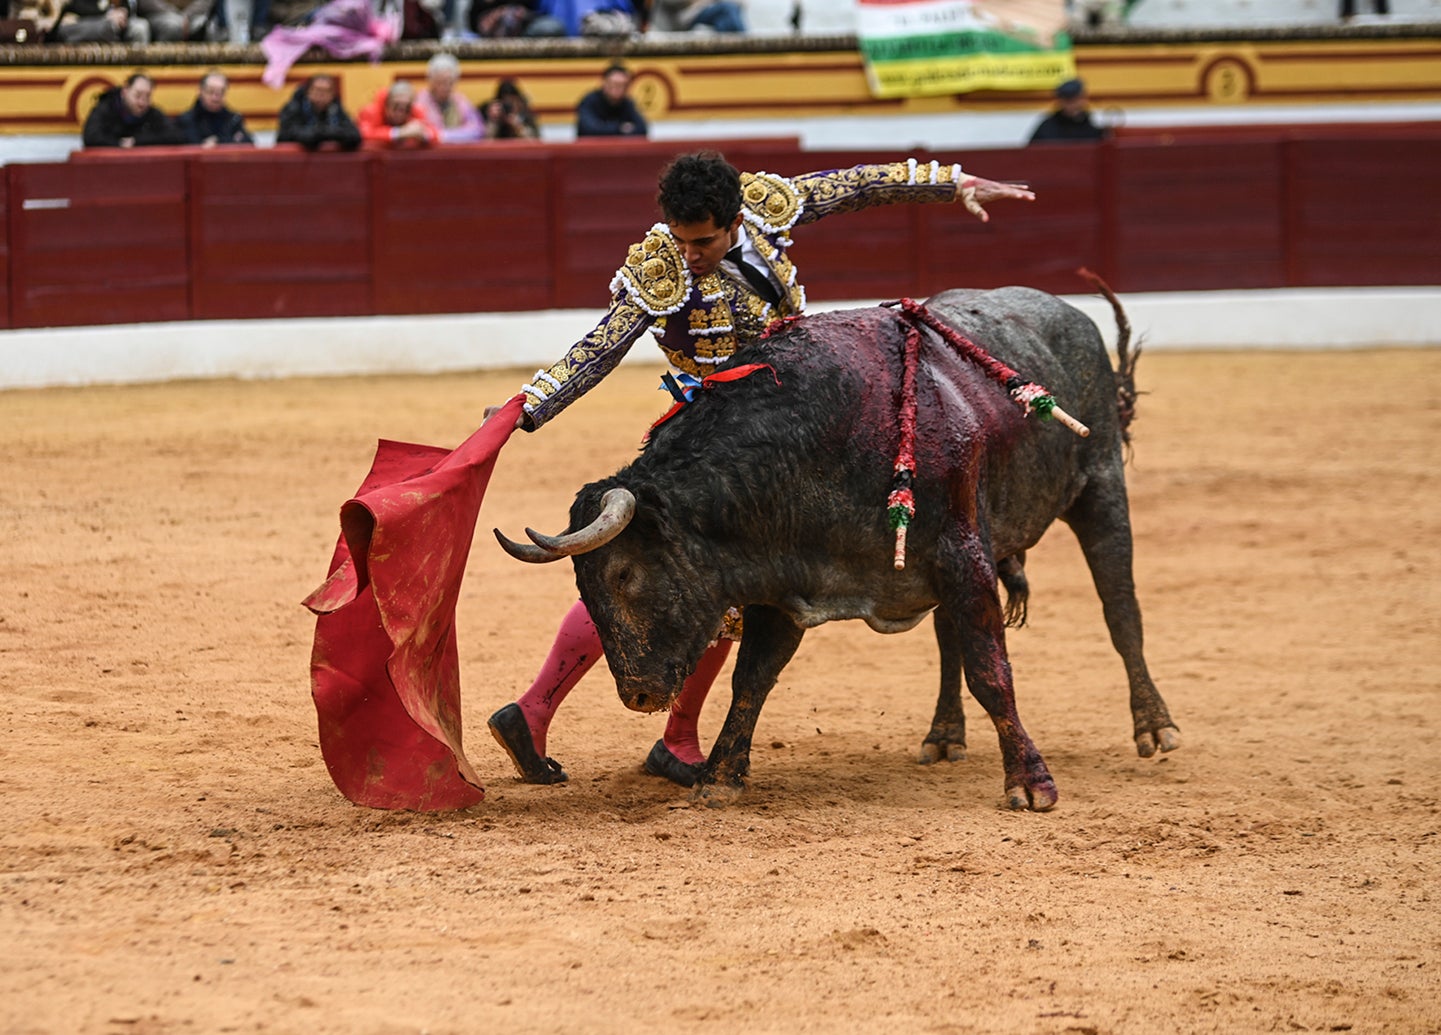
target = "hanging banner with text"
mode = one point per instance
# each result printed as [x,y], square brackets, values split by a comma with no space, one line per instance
[915,48]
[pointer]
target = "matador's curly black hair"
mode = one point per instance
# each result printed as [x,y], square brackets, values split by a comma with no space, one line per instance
[701,186]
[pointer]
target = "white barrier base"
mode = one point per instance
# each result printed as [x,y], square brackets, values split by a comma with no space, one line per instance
[1296,319]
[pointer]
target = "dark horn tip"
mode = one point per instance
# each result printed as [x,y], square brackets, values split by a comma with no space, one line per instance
[524,551]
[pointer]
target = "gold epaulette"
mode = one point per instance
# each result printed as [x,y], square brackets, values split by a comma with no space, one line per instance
[654,275]
[771,202]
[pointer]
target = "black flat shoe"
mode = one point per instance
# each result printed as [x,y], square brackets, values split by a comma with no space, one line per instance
[508,728]
[660,762]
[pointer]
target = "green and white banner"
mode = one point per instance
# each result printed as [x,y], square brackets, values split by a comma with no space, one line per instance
[923,47]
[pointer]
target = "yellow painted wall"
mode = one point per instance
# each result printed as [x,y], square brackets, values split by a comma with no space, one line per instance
[54,98]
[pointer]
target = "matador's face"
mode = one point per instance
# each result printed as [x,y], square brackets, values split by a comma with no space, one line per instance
[703,245]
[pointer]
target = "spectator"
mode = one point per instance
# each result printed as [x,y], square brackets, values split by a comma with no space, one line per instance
[610,111]
[445,106]
[314,119]
[170,24]
[393,120]
[1072,118]
[209,122]
[420,19]
[508,114]
[124,117]
[687,15]
[591,17]
[96,21]
[240,21]
[496,19]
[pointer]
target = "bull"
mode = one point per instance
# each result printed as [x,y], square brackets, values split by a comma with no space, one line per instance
[769,492]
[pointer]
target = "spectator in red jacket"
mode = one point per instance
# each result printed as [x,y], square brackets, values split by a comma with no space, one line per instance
[394,120]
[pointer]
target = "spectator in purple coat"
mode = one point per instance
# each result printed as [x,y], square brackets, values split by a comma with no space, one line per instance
[447,107]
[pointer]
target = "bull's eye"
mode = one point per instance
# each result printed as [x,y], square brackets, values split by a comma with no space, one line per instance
[625,578]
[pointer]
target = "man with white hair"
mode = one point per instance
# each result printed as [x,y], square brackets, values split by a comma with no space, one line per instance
[445,106]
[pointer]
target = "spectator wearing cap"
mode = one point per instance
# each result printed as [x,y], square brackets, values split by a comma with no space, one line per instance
[609,111]
[1071,120]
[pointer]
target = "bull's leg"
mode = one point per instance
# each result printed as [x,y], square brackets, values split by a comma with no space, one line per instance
[1101,520]
[971,594]
[947,739]
[768,643]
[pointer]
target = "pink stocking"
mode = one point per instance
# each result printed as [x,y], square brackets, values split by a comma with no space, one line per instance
[682,737]
[575,650]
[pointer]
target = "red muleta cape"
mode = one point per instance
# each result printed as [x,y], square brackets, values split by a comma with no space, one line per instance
[385,671]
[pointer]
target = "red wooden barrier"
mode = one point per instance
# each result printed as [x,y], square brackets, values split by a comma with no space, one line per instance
[101,243]
[1198,217]
[1039,244]
[5,252]
[181,233]
[459,231]
[280,233]
[1365,212]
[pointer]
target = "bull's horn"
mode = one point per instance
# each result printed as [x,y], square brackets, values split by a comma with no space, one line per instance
[524,551]
[616,509]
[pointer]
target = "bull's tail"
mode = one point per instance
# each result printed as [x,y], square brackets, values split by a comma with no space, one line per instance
[1126,357]
[1012,574]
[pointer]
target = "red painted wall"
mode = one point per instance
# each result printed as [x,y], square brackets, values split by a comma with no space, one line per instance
[173,234]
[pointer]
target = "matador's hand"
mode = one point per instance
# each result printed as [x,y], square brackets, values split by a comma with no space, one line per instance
[975,192]
[491,411]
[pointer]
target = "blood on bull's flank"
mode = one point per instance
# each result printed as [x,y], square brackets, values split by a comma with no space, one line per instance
[770,493]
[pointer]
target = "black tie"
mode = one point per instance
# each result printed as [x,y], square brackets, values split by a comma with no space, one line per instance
[757,278]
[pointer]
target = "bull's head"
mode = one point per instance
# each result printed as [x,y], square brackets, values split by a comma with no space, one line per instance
[654,609]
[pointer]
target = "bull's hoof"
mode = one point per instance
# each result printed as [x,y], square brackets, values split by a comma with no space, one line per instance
[946,740]
[1040,795]
[1167,738]
[716,795]
[933,751]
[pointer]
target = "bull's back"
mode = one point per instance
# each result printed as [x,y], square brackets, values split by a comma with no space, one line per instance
[1038,472]
[824,431]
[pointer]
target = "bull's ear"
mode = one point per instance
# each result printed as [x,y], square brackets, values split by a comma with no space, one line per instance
[525,551]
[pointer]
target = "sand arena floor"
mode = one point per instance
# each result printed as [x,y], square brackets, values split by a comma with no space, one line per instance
[174,858]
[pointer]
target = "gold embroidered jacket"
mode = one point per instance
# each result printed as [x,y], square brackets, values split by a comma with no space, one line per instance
[699,322]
